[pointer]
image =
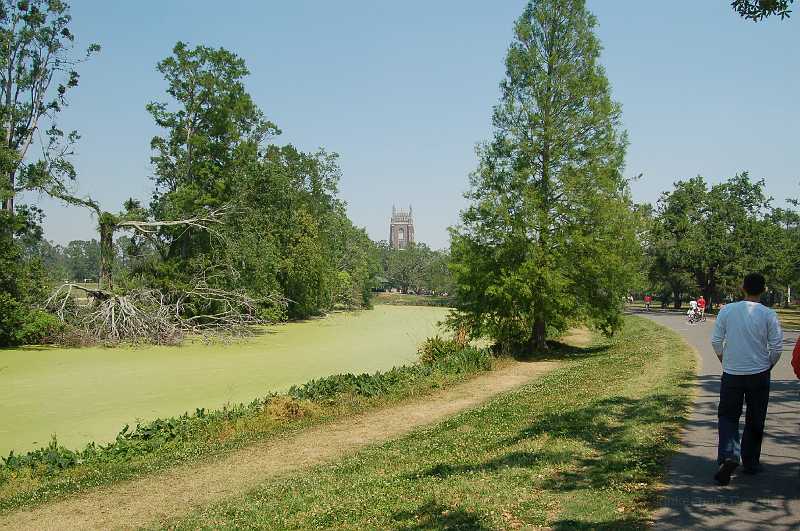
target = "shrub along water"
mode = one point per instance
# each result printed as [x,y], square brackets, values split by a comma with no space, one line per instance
[54,470]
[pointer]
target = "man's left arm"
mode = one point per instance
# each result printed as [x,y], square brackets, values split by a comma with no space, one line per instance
[774,339]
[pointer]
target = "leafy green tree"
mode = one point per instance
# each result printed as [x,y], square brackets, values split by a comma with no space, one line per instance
[667,277]
[53,260]
[22,278]
[83,259]
[550,235]
[708,238]
[356,261]
[307,250]
[785,237]
[407,268]
[20,273]
[36,51]
[38,71]
[211,127]
[674,238]
[437,277]
[282,231]
[757,10]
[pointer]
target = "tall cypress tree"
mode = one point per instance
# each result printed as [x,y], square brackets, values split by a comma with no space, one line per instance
[549,236]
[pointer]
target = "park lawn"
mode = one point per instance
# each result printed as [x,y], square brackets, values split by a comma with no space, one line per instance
[789,317]
[581,448]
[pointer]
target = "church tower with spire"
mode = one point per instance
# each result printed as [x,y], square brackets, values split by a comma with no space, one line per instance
[401,228]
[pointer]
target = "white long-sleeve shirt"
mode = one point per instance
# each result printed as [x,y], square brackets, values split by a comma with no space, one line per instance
[748,337]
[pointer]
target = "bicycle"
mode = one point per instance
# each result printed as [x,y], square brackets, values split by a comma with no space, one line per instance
[695,317]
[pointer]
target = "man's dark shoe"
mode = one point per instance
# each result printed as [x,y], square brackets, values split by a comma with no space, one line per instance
[723,475]
[752,470]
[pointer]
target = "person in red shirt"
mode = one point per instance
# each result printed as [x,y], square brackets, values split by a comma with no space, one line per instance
[701,306]
[647,300]
[796,358]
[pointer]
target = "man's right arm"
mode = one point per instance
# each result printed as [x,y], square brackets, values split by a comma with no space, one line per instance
[718,337]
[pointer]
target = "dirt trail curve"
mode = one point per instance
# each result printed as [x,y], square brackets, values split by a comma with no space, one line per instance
[175,492]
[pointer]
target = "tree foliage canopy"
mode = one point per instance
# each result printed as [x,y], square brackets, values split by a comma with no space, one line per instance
[416,268]
[757,10]
[39,70]
[285,234]
[549,235]
[703,239]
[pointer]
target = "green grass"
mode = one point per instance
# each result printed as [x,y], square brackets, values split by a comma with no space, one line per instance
[88,394]
[789,317]
[53,472]
[581,448]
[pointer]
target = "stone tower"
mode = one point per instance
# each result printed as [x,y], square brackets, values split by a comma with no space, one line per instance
[401,228]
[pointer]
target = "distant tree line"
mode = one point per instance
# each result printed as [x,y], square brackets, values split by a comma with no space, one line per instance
[417,269]
[701,239]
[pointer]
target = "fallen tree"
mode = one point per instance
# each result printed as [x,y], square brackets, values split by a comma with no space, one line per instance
[144,315]
[147,314]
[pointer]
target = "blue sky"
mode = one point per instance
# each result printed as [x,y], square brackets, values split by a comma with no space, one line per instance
[404,90]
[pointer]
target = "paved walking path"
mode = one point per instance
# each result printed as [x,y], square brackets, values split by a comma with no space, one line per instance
[770,500]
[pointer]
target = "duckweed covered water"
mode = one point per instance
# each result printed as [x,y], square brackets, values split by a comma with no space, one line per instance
[88,394]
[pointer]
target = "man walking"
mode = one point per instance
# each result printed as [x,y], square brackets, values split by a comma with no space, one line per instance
[748,341]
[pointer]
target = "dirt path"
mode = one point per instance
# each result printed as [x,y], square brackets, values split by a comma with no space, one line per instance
[155,498]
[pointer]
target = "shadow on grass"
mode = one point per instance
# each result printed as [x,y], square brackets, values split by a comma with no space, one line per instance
[510,460]
[437,516]
[560,352]
[611,429]
[625,441]
[576,525]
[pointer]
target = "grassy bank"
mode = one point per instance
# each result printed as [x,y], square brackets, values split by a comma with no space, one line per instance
[581,448]
[403,299]
[54,471]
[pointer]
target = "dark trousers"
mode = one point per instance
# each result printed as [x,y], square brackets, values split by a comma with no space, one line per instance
[735,390]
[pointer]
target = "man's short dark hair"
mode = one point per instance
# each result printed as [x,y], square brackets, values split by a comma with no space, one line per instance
[754,284]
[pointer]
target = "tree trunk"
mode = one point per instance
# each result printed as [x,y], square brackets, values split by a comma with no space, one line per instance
[710,288]
[538,341]
[106,253]
[8,203]
[676,301]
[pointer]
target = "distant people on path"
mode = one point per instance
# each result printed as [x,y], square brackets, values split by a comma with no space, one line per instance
[701,306]
[748,341]
[648,300]
[693,313]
